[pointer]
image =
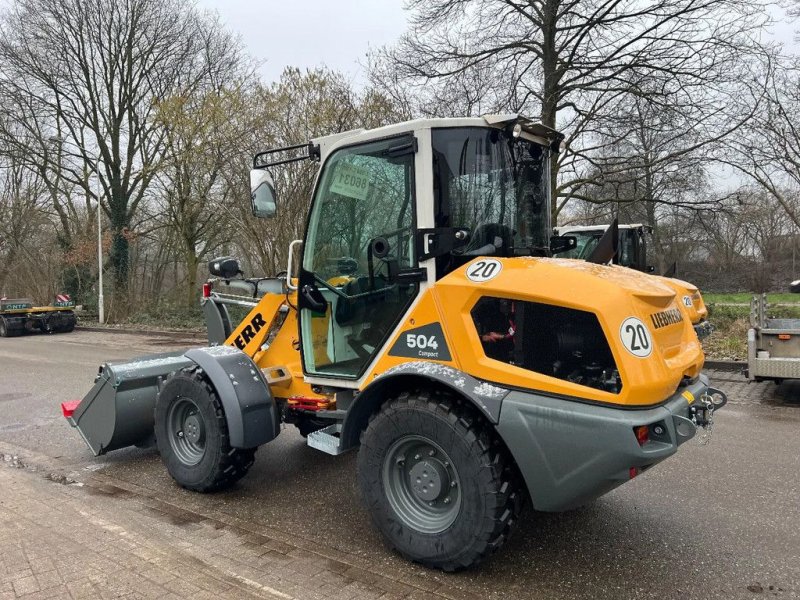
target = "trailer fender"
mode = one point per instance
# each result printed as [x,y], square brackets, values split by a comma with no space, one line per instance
[485,397]
[250,410]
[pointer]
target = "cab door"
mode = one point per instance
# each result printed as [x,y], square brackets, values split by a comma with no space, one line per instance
[354,284]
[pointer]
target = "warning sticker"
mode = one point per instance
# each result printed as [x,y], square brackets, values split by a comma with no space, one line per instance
[351,181]
[635,337]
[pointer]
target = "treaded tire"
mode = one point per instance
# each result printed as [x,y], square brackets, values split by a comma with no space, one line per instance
[491,497]
[220,465]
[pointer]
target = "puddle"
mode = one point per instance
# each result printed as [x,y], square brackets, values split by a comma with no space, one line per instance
[176,516]
[110,491]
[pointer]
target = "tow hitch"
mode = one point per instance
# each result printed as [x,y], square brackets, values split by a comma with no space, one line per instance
[703,409]
[702,412]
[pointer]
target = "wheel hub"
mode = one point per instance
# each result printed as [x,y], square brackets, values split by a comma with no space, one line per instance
[193,429]
[188,431]
[428,478]
[421,484]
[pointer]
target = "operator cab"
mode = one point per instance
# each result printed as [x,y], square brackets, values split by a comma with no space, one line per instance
[395,209]
[631,248]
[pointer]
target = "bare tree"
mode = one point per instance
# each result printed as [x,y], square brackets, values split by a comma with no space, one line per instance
[768,151]
[574,60]
[89,74]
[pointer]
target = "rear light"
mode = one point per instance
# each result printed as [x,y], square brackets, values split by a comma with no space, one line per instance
[642,433]
[206,290]
[784,336]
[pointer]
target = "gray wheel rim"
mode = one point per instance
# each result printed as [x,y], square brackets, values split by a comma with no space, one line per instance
[421,484]
[187,431]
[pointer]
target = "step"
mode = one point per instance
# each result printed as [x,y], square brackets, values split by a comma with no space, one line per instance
[327,439]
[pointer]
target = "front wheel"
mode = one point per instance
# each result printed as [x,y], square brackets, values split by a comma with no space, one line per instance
[192,435]
[438,483]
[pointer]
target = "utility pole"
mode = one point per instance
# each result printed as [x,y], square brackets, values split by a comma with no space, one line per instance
[101,318]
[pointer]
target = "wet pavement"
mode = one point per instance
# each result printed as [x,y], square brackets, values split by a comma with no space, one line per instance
[715,521]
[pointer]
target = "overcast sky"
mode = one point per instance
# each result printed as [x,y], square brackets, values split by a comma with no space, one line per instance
[337,33]
[311,33]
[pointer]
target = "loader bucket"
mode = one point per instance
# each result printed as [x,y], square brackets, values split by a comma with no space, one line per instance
[118,410]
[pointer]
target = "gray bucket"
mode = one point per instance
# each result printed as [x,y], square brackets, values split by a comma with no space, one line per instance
[118,410]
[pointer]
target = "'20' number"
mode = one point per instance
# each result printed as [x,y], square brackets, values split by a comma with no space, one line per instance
[636,337]
[484,270]
[638,340]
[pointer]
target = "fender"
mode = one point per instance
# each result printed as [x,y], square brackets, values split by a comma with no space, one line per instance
[218,321]
[485,397]
[250,410]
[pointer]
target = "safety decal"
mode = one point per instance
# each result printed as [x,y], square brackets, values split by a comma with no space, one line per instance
[687,301]
[422,342]
[635,337]
[484,270]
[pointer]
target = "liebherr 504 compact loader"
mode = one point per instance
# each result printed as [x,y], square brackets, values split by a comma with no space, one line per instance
[426,325]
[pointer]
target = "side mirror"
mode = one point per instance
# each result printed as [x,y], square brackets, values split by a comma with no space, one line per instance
[262,194]
[562,243]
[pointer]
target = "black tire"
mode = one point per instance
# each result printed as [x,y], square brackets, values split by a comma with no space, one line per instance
[465,450]
[68,323]
[201,459]
[5,330]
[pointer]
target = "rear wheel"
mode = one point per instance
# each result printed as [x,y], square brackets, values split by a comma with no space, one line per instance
[67,323]
[192,435]
[5,330]
[438,483]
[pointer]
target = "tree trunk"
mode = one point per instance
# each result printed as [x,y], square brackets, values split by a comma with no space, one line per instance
[550,91]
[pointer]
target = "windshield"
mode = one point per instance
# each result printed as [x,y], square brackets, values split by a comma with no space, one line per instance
[586,243]
[494,186]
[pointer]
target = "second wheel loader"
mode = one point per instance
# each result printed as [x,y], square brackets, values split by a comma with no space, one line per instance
[425,325]
[631,252]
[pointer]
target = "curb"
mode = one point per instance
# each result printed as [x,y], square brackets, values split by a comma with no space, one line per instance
[726,365]
[173,333]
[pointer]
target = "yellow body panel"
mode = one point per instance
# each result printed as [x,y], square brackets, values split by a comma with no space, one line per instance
[612,293]
[689,298]
[275,346]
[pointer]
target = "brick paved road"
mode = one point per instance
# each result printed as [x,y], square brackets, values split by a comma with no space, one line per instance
[96,540]
[716,521]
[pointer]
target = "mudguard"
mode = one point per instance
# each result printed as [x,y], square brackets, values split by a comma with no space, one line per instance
[218,321]
[250,410]
[485,397]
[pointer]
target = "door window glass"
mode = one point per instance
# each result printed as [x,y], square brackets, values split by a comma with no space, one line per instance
[361,228]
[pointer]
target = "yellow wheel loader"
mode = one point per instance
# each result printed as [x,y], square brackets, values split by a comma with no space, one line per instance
[424,324]
[630,250]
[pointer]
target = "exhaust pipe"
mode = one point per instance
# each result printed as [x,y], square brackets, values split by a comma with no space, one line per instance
[118,410]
